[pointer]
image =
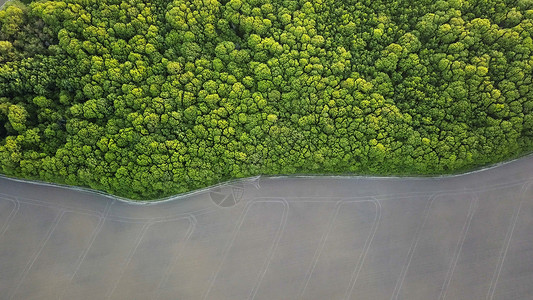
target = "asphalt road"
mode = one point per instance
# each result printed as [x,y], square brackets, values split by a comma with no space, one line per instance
[464,237]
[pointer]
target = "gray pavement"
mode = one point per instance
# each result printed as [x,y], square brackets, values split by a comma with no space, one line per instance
[461,237]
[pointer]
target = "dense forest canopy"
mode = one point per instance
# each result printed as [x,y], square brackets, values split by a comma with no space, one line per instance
[147,98]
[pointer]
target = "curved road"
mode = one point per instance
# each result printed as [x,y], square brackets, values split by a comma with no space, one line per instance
[461,237]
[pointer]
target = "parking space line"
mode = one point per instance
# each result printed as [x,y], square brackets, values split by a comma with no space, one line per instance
[97,230]
[273,248]
[368,242]
[410,254]
[138,240]
[459,247]
[192,227]
[38,252]
[508,238]
[10,217]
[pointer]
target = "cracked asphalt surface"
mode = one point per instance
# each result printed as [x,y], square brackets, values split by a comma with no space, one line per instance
[460,237]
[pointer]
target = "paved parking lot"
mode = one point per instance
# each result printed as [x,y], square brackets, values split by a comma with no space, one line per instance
[461,237]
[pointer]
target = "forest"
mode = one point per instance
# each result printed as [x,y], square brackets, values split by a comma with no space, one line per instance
[149,98]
